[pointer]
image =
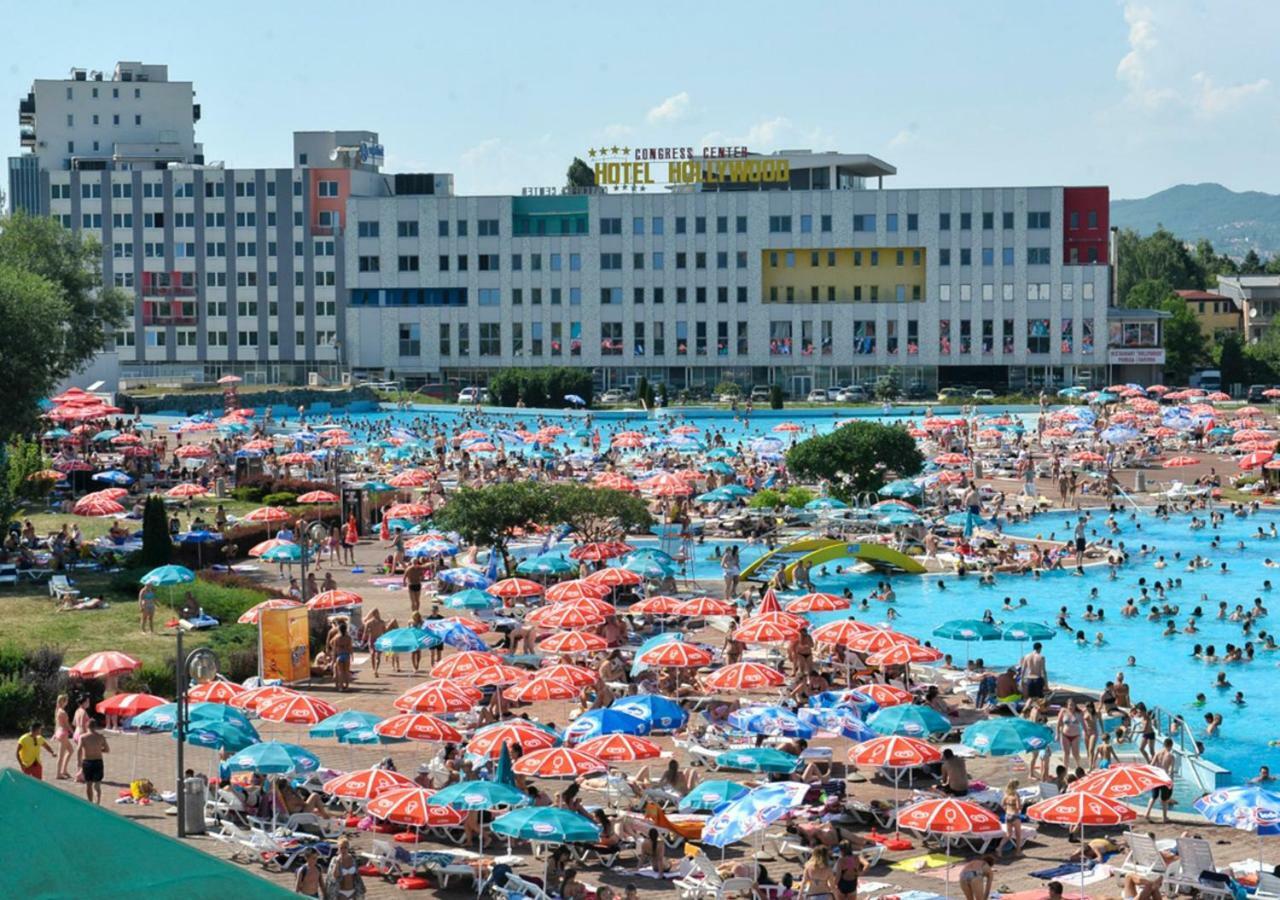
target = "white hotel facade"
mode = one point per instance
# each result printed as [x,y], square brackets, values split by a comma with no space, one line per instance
[331,266]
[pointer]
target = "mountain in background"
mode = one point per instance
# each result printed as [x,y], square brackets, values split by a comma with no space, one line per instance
[1233,222]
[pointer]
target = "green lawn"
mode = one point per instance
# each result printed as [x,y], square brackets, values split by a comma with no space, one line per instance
[94,527]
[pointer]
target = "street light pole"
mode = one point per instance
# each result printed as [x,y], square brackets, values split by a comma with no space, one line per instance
[205,665]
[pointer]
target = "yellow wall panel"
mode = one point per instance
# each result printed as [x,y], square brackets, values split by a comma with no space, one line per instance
[843,275]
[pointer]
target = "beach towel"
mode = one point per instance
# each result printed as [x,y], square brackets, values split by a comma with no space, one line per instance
[1064,871]
[925,861]
[1040,894]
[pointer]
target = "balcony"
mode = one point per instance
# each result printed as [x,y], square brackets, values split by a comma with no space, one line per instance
[27,136]
[27,110]
[164,312]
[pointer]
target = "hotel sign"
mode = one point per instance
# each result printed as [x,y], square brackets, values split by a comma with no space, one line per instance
[632,168]
[1136,356]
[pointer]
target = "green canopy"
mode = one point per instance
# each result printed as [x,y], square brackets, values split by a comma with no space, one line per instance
[57,832]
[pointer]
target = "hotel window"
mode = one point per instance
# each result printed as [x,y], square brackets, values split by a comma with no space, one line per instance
[637,260]
[370,263]
[610,261]
[611,226]
[900,293]
[462,228]
[610,338]
[806,224]
[742,346]
[488,228]
[517,262]
[1006,256]
[700,338]
[1068,291]
[555,262]
[1074,221]
[557,337]
[1006,293]
[722,295]
[1092,254]
[535,297]
[966,256]
[555,296]
[575,296]
[680,225]
[682,338]
[410,339]
[901,257]
[944,292]
[406,228]
[722,259]
[966,221]
[722,338]
[891,222]
[407,263]
[442,228]
[327,189]
[742,225]
[443,263]
[944,257]
[944,221]
[864,222]
[681,295]
[659,261]
[790,259]
[1037,335]
[490,339]
[875,257]
[575,262]
[742,259]
[779,224]
[462,262]
[658,295]
[610,295]
[489,297]
[988,292]
[655,225]
[875,293]
[1037,220]
[700,225]
[659,339]
[700,294]
[681,260]
[464,338]
[637,225]
[517,339]
[913,221]
[988,256]
[1093,218]
[1006,221]
[1086,291]
[637,338]
[722,224]
[1038,256]
[637,295]
[966,292]
[988,221]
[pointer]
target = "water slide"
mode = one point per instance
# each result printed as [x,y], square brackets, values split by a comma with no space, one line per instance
[815,551]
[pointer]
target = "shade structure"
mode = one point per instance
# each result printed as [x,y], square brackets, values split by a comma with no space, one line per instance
[884,695]
[843,632]
[601,550]
[418,727]
[545,565]
[1077,808]
[705,606]
[878,639]
[260,696]
[185,490]
[490,740]
[473,795]
[1001,736]
[708,795]
[470,598]
[570,642]
[251,615]
[546,824]
[909,719]
[659,605]
[365,784]
[770,720]
[299,709]
[438,696]
[219,735]
[754,811]
[336,599]
[967,630]
[463,663]
[318,497]
[413,806]
[743,676]
[514,588]
[580,676]
[216,691]
[405,640]
[561,615]
[541,689]
[794,621]
[1244,807]
[96,506]
[557,762]
[614,577]
[614,748]
[1122,781]
[279,550]
[894,752]
[591,604]
[949,816]
[675,654]
[268,515]
[817,602]
[129,704]
[576,589]
[274,758]
[903,654]
[105,663]
[758,759]
[595,722]
[346,722]
[500,674]
[836,721]
[167,576]
[1027,631]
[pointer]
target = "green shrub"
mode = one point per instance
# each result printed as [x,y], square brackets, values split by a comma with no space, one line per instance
[222,602]
[153,678]
[765,499]
[775,396]
[157,547]
[797,497]
[13,661]
[279,498]
[18,707]
[248,493]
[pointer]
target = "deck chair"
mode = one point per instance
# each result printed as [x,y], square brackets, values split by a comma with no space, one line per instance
[675,831]
[9,575]
[383,855]
[238,840]
[735,887]
[702,880]
[60,589]
[516,886]
[1195,860]
[1268,886]
[1144,857]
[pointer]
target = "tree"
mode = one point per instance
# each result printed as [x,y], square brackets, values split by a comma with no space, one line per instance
[1252,263]
[63,285]
[487,516]
[1160,256]
[157,547]
[856,458]
[580,175]
[1231,361]
[662,393]
[1184,343]
[775,396]
[1148,294]
[504,387]
[596,514]
[20,460]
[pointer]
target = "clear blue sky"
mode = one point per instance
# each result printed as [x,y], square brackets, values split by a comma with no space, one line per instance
[1139,96]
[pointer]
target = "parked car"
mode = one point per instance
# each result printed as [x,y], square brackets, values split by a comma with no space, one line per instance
[471,396]
[1256,393]
[917,391]
[984,394]
[818,395]
[952,393]
[614,395]
[854,393]
[760,393]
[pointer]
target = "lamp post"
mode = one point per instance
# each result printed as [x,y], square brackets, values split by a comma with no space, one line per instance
[202,665]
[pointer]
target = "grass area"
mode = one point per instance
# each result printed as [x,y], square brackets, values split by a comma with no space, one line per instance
[95,527]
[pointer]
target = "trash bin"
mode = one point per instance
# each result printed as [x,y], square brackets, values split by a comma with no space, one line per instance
[977,468]
[1139,482]
[193,797]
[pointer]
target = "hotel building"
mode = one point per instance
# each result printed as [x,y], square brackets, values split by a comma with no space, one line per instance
[331,266]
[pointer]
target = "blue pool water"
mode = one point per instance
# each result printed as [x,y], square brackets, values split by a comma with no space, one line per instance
[1165,673]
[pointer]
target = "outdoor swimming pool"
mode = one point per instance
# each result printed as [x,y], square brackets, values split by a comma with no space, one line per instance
[1165,674]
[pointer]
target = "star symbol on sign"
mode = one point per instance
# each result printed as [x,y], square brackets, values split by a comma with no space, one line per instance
[626,151]
[614,148]
[604,151]
[591,151]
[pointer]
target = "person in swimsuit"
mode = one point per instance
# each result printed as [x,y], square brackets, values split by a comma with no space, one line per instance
[819,881]
[147,609]
[1012,805]
[341,648]
[62,734]
[976,877]
[413,573]
[92,748]
[848,868]
[1070,729]
[343,881]
[374,628]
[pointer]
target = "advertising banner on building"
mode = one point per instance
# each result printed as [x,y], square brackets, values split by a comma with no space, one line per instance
[283,645]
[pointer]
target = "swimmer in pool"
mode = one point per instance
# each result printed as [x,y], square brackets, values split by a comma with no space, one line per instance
[1222,683]
[1200,700]
[1239,698]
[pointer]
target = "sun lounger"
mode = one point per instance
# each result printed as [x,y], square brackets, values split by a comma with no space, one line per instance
[238,840]
[1268,886]
[9,575]
[1144,858]
[1195,861]
[60,589]
[516,887]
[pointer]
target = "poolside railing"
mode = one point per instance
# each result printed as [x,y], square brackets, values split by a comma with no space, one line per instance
[1192,765]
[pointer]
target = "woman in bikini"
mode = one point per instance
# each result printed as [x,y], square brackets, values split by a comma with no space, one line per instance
[819,881]
[62,734]
[1011,803]
[343,881]
[848,868]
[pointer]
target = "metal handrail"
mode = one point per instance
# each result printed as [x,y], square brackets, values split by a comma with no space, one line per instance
[1185,746]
